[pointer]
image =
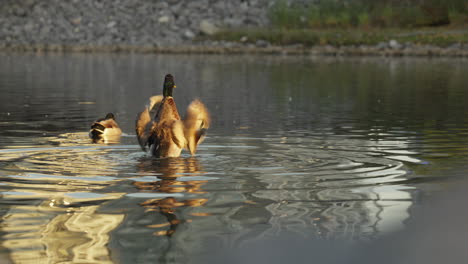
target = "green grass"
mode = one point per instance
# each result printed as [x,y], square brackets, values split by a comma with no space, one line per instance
[345,37]
[368,13]
[361,22]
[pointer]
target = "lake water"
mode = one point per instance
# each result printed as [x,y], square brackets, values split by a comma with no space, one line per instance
[324,148]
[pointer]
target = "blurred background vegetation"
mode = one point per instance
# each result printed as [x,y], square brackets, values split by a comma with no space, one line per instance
[360,22]
[368,13]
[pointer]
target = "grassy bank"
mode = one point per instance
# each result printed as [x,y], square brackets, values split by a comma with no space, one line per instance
[442,37]
[368,14]
[360,22]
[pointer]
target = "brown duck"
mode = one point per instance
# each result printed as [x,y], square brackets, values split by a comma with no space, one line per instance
[104,129]
[160,129]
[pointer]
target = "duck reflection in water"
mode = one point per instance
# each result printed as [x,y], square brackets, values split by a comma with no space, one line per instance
[169,171]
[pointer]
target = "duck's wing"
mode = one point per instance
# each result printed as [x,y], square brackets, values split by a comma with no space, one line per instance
[196,124]
[177,133]
[145,121]
[96,131]
[142,127]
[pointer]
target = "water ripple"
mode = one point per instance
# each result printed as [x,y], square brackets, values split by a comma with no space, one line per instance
[322,148]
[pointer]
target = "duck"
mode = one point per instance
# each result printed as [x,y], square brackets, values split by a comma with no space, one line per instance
[104,129]
[161,131]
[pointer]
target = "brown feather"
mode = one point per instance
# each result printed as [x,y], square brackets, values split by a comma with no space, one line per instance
[196,123]
[167,137]
[167,110]
[141,127]
[144,123]
[160,127]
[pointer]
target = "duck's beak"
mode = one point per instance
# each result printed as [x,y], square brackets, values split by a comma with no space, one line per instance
[174,86]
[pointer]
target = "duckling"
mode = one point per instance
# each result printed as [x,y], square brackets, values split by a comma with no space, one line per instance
[160,129]
[105,128]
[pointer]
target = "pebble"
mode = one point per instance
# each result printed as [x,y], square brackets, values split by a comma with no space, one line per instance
[164,19]
[111,24]
[455,46]
[262,43]
[189,34]
[208,28]
[394,44]
[381,46]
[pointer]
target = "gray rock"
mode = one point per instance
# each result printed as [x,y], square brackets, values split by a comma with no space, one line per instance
[208,28]
[233,22]
[408,45]
[189,34]
[111,24]
[76,21]
[29,26]
[455,46]
[175,8]
[220,7]
[382,45]
[44,32]
[394,44]
[18,11]
[174,27]
[244,6]
[194,5]
[164,19]
[262,43]
[161,5]
[29,3]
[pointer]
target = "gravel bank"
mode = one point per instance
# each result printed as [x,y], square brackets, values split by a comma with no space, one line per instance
[123,22]
[161,26]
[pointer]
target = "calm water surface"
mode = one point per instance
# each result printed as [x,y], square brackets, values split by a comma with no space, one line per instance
[324,148]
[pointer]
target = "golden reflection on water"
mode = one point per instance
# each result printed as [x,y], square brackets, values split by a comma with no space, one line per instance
[68,182]
[52,235]
[64,226]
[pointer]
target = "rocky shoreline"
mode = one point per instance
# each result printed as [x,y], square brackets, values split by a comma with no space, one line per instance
[455,50]
[123,22]
[163,26]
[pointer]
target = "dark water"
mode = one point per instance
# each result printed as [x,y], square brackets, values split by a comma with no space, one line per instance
[330,149]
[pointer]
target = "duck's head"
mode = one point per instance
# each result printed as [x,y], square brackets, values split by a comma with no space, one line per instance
[168,85]
[110,116]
